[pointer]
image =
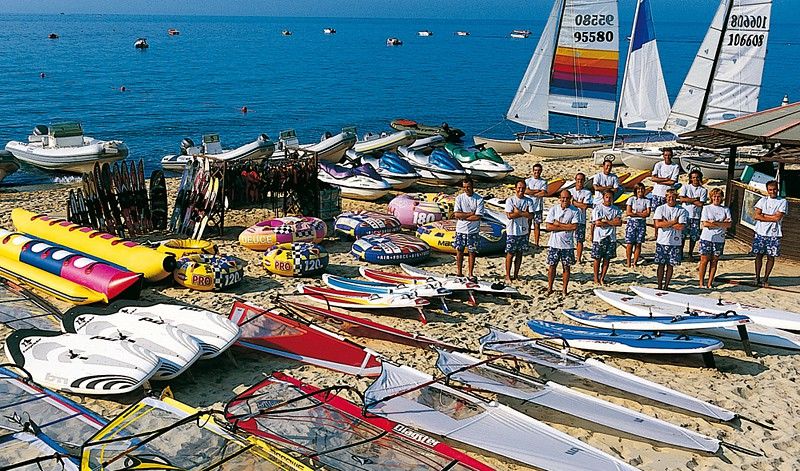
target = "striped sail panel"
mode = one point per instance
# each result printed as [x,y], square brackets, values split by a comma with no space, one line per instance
[738,34]
[644,103]
[529,106]
[584,74]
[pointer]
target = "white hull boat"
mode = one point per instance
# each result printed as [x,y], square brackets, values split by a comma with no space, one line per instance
[359,183]
[426,144]
[63,147]
[570,149]
[614,155]
[385,143]
[501,146]
[641,159]
[261,148]
[332,149]
[712,167]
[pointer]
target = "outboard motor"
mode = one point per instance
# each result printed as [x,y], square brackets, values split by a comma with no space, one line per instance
[263,137]
[325,135]
[186,143]
[40,130]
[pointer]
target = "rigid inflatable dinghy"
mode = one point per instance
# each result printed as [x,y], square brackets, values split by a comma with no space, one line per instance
[262,147]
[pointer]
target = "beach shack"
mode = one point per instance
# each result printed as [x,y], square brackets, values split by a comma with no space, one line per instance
[777,129]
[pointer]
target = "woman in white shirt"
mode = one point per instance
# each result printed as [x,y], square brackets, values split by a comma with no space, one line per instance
[715,221]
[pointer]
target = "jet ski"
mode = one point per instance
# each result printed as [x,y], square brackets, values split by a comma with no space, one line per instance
[483,163]
[358,183]
[390,166]
[438,167]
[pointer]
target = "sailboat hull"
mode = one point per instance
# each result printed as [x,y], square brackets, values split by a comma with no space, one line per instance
[562,150]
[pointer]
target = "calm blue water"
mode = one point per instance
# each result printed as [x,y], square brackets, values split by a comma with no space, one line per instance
[196,83]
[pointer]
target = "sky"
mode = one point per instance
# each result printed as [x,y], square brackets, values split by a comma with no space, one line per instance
[444,9]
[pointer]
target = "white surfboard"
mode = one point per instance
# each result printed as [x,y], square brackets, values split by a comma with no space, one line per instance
[176,349]
[776,318]
[654,323]
[482,286]
[81,364]
[759,334]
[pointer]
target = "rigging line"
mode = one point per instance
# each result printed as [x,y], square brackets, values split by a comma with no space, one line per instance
[59,457]
[344,447]
[265,411]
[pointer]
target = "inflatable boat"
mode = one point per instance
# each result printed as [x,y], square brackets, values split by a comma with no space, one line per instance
[423,130]
[359,183]
[330,148]
[374,143]
[262,147]
[63,147]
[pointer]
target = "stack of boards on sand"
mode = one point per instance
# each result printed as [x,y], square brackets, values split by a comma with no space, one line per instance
[198,195]
[115,199]
[110,350]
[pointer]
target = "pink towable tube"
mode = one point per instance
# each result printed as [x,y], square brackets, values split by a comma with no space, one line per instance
[413,211]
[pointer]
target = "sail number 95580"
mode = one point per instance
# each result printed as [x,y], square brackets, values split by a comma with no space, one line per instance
[593,36]
[594,20]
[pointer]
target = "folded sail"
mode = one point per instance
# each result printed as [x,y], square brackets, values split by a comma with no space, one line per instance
[724,81]
[644,103]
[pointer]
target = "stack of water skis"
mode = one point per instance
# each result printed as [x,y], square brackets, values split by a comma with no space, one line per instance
[198,196]
[115,199]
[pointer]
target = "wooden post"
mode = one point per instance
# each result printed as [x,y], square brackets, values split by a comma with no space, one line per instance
[731,169]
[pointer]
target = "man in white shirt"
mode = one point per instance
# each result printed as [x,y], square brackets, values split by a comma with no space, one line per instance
[605,219]
[581,199]
[518,210]
[669,219]
[664,176]
[536,190]
[562,220]
[693,197]
[716,219]
[603,181]
[768,213]
[468,211]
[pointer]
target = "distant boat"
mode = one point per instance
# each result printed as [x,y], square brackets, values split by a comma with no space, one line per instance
[141,43]
[462,33]
[173,32]
[425,32]
[52,36]
[286,32]
[394,42]
[520,33]
[329,31]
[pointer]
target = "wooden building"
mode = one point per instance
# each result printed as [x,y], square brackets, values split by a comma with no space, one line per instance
[779,129]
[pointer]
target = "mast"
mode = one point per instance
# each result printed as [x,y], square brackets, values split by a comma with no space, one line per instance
[715,64]
[555,49]
[625,77]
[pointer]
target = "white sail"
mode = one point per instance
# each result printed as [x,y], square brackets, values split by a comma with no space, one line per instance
[644,103]
[530,103]
[724,81]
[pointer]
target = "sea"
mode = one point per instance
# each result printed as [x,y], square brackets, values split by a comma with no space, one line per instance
[197,82]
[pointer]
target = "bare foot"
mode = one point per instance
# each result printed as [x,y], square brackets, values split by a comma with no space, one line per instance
[766,283]
[508,281]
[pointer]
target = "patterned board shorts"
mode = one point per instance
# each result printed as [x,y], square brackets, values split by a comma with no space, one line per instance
[668,255]
[691,230]
[604,248]
[567,257]
[766,245]
[468,241]
[537,216]
[635,231]
[657,201]
[580,233]
[711,249]
[517,244]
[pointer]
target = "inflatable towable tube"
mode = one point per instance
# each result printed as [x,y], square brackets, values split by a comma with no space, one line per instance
[266,234]
[182,247]
[154,266]
[296,259]
[209,272]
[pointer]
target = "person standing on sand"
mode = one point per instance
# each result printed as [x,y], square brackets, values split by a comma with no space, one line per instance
[693,197]
[669,220]
[536,190]
[562,220]
[581,199]
[638,210]
[468,211]
[664,176]
[715,219]
[768,213]
[518,209]
[605,219]
[601,182]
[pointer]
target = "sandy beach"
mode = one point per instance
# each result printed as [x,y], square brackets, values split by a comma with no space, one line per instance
[762,387]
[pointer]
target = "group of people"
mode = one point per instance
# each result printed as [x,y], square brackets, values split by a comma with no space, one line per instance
[691,215]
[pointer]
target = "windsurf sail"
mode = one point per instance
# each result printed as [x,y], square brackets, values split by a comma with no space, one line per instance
[334,432]
[168,435]
[25,451]
[20,308]
[724,81]
[535,352]
[269,332]
[415,399]
[487,377]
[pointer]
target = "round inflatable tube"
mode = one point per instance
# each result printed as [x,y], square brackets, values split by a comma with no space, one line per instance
[266,234]
[183,247]
[153,265]
[296,259]
[390,249]
[205,272]
[441,235]
[412,210]
[93,274]
[357,224]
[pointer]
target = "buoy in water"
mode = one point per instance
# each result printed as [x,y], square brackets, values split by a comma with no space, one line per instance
[244,109]
[41,75]
[123,89]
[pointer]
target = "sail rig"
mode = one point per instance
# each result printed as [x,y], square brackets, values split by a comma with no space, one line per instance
[724,81]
